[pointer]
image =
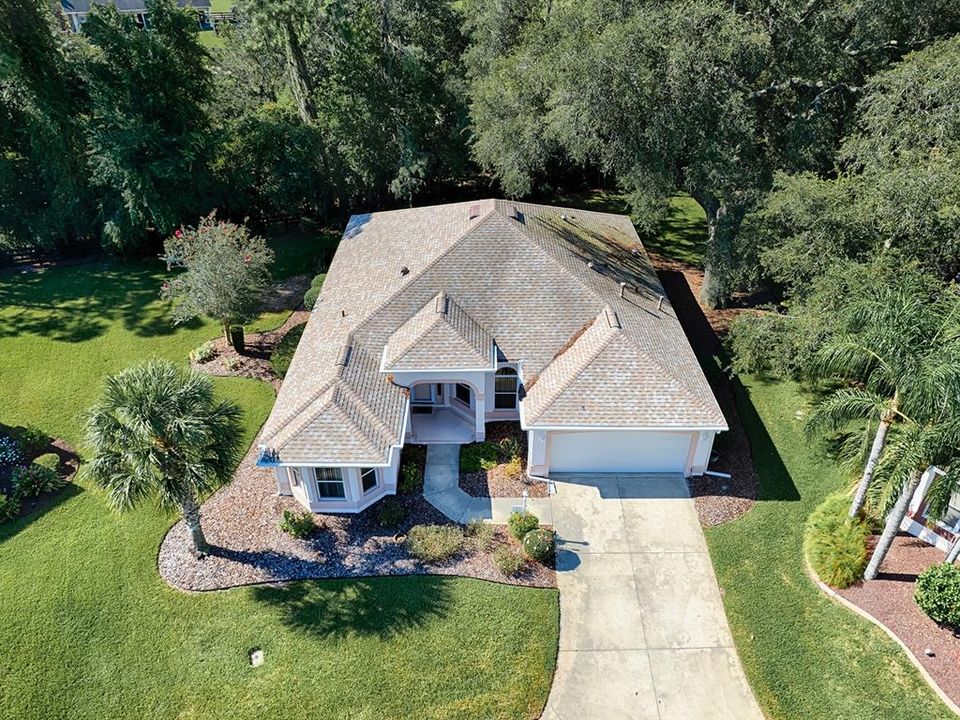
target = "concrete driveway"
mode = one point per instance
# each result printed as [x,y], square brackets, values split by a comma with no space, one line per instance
[643,633]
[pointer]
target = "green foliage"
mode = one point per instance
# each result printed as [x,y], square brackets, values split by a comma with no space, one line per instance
[411,478]
[48,460]
[226,272]
[33,479]
[479,456]
[538,544]
[283,353]
[32,440]
[203,353]
[520,523]
[513,468]
[481,533]
[311,295]
[391,512]
[148,132]
[9,506]
[509,560]
[298,524]
[835,544]
[938,594]
[434,543]
[509,447]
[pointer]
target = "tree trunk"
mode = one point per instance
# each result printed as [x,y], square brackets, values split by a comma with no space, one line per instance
[954,552]
[892,527]
[879,441]
[718,253]
[191,517]
[299,74]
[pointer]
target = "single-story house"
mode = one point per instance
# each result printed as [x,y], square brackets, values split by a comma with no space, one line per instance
[77,11]
[942,532]
[434,321]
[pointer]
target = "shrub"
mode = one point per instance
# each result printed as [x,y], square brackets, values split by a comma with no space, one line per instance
[509,447]
[508,560]
[938,594]
[391,512]
[32,440]
[521,523]
[434,543]
[204,353]
[232,363]
[479,456]
[411,479]
[298,524]
[514,468]
[283,353]
[481,533]
[9,506]
[836,546]
[49,460]
[310,296]
[538,544]
[31,480]
[9,451]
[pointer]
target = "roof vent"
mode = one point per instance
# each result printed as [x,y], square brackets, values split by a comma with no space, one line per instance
[660,304]
[404,270]
[563,217]
[623,290]
[612,320]
[343,357]
[474,212]
[442,305]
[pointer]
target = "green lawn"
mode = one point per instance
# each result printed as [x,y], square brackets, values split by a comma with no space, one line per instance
[88,629]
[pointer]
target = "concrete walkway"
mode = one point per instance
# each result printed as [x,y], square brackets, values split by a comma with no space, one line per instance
[441,489]
[643,633]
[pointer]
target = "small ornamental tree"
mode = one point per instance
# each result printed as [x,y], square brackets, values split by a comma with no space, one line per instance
[226,272]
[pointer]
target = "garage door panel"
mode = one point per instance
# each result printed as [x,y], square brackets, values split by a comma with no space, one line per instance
[618,451]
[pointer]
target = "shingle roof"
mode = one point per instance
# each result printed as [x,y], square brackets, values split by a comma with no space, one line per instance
[529,277]
[440,336]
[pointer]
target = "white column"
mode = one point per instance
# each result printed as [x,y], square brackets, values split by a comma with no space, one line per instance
[480,411]
[283,481]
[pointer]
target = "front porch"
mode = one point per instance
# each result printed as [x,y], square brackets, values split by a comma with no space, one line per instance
[440,426]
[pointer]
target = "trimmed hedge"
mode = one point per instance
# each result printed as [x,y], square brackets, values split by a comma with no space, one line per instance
[522,523]
[283,353]
[538,544]
[938,594]
[835,544]
[310,296]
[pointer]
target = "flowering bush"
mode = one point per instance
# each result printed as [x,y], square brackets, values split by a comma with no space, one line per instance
[9,452]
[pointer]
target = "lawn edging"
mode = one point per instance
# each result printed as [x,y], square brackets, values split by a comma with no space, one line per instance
[840,600]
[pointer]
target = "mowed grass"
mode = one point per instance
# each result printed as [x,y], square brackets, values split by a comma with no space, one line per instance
[89,630]
[805,656]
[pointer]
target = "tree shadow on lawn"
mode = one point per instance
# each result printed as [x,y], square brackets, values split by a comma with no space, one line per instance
[39,507]
[380,607]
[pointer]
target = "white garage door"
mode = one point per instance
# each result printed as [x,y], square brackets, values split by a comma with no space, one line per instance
[622,451]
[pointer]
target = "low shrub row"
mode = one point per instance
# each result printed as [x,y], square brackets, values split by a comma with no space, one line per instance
[835,544]
[938,594]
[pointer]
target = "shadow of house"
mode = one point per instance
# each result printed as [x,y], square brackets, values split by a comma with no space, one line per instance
[380,607]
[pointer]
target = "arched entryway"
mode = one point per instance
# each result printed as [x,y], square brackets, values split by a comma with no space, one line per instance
[451,411]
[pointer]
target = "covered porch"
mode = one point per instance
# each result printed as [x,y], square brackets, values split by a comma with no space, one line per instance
[440,425]
[445,412]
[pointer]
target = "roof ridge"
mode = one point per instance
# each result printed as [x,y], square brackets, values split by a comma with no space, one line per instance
[467,315]
[360,405]
[297,414]
[411,343]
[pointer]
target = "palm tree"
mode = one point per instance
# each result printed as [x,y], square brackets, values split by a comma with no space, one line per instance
[157,430]
[915,448]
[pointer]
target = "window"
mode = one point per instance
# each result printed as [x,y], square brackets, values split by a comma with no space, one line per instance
[505,389]
[296,476]
[368,479]
[462,393]
[329,483]
[423,393]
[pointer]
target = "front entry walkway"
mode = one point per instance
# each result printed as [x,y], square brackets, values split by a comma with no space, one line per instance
[643,633]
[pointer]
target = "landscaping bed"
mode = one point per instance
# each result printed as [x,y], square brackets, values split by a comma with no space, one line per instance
[889,599]
[489,468]
[242,521]
[18,454]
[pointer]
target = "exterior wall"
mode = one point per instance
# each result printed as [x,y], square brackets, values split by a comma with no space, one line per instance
[355,501]
[917,523]
[492,414]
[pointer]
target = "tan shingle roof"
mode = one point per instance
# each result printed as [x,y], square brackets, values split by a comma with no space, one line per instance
[531,277]
[440,336]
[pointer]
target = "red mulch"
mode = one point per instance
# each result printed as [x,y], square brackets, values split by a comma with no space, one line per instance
[889,599]
[718,500]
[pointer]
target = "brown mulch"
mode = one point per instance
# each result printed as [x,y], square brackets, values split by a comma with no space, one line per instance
[242,520]
[718,500]
[255,361]
[889,598]
[497,482]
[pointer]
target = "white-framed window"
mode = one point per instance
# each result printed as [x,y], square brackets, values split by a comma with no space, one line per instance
[330,483]
[368,479]
[462,393]
[505,385]
[296,476]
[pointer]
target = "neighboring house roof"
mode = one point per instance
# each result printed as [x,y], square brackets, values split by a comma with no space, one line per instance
[83,6]
[440,336]
[535,279]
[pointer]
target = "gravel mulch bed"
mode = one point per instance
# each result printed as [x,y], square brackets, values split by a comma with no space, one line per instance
[889,599]
[241,522]
[497,482]
[255,361]
[718,500]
